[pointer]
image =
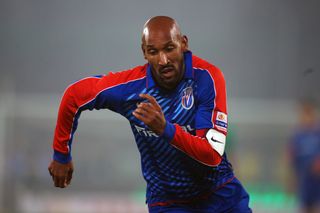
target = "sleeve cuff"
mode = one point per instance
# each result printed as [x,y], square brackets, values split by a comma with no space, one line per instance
[61,158]
[169,131]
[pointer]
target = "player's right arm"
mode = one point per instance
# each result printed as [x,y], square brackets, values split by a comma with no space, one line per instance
[90,93]
[82,95]
[87,94]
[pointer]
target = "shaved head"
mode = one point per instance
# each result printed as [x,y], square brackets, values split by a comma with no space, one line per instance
[160,25]
[163,47]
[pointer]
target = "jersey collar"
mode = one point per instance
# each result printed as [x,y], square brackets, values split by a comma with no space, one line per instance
[187,74]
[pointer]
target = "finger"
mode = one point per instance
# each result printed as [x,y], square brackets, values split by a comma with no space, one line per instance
[52,175]
[152,100]
[139,112]
[145,109]
[56,181]
[148,111]
[50,171]
[139,116]
[59,181]
[69,176]
[62,181]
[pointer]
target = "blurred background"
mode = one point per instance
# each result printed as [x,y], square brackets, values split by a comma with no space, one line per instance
[268,51]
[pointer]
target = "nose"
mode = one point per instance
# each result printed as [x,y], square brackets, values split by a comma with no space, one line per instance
[163,60]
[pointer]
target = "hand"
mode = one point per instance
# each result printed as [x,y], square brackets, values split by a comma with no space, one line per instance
[151,114]
[61,173]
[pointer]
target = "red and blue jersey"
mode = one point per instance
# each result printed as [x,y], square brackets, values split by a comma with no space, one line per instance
[179,165]
[304,150]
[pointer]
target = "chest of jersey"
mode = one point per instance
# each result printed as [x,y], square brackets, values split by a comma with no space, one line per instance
[178,106]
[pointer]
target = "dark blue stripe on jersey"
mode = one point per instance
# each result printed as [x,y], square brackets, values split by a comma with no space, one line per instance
[205,94]
[98,76]
[222,124]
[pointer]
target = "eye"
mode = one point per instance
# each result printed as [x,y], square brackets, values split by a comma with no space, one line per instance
[152,52]
[170,48]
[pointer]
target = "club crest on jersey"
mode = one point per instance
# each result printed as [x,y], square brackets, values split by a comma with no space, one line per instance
[187,98]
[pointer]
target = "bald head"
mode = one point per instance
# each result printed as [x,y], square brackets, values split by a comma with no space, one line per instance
[163,47]
[161,25]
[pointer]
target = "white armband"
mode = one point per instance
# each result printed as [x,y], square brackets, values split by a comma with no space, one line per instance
[217,140]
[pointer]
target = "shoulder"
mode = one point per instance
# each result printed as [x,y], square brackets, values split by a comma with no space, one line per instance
[113,77]
[124,76]
[205,71]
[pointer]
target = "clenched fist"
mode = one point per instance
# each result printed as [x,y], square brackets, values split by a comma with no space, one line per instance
[61,173]
[151,114]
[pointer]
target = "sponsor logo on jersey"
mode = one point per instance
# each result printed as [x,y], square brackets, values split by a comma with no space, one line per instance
[222,117]
[214,140]
[217,140]
[221,124]
[144,132]
[148,133]
[222,121]
[187,98]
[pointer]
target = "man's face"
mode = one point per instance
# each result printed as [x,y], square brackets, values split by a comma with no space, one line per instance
[164,52]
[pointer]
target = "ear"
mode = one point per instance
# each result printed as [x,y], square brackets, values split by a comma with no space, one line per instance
[184,43]
[143,50]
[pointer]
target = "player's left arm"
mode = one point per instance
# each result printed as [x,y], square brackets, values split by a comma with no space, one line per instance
[208,145]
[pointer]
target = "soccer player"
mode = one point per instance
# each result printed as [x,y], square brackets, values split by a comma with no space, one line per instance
[176,106]
[304,153]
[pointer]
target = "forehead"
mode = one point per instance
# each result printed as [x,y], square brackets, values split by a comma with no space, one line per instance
[155,37]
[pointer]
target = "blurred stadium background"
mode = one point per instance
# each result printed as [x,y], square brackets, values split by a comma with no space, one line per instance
[268,50]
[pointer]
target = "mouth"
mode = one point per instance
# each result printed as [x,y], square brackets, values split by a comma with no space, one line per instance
[167,72]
